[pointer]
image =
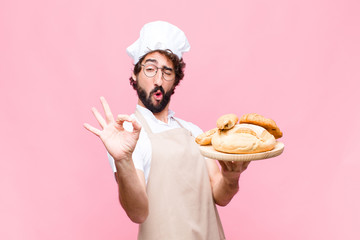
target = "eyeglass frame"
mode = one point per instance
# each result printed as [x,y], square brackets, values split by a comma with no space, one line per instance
[156,70]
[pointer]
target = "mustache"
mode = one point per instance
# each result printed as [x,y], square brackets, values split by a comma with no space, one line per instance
[157,88]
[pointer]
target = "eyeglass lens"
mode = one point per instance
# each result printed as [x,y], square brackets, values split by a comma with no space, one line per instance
[150,70]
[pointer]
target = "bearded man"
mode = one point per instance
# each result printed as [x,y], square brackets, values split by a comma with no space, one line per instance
[165,184]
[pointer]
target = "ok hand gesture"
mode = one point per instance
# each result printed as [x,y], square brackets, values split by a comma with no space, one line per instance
[118,142]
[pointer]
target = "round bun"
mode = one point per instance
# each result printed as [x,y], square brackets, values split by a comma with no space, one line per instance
[243,138]
[205,138]
[267,123]
[227,121]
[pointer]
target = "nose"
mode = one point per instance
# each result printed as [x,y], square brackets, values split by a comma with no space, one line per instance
[158,80]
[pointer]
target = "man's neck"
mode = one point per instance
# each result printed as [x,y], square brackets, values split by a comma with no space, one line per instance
[161,116]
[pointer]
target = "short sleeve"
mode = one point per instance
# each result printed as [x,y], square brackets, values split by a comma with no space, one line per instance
[112,162]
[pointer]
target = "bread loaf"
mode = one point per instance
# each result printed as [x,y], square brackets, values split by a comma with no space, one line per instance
[253,134]
[243,138]
[267,123]
[227,121]
[205,138]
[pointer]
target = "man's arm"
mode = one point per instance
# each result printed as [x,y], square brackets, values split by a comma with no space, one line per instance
[225,182]
[132,190]
[120,144]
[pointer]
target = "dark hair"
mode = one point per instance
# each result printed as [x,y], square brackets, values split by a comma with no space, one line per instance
[178,64]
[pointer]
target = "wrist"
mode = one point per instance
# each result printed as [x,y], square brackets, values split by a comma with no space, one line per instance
[231,179]
[231,183]
[123,164]
[123,158]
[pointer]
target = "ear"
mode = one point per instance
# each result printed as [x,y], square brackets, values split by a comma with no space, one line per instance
[133,77]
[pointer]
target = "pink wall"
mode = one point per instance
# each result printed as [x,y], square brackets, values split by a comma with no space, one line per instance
[294,61]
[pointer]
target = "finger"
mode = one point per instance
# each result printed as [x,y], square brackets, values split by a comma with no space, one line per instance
[240,166]
[107,110]
[236,165]
[222,164]
[136,125]
[225,165]
[92,129]
[121,118]
[98,117]
[245,165]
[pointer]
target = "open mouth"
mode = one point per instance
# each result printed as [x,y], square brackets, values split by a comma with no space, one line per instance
[158,95]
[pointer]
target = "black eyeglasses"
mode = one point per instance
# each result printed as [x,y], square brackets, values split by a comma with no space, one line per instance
[150,70]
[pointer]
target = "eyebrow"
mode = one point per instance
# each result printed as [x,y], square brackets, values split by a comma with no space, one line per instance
[151,60]
[155,61]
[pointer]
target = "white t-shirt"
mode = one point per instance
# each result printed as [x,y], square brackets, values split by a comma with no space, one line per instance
[143,150]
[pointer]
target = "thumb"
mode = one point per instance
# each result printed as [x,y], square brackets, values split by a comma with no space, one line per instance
[136,126]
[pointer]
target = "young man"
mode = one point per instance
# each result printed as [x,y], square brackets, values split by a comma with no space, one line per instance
[164,183]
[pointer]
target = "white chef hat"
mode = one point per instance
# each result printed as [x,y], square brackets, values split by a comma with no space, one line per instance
[158,35]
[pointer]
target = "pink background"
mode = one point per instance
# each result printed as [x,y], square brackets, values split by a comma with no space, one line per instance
[294,61]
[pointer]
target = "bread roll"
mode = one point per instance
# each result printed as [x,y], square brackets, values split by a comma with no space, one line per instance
[243,138]
[267,123]
[205,138]
[227,121]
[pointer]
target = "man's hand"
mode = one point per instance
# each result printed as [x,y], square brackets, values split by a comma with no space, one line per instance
[231,170]
[119,143]
[225,182]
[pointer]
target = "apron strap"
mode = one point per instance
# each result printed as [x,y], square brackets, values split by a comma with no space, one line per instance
[143,122]
[183,126]
[179,123]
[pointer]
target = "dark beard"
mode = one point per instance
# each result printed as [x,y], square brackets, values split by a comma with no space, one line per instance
[147,100]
